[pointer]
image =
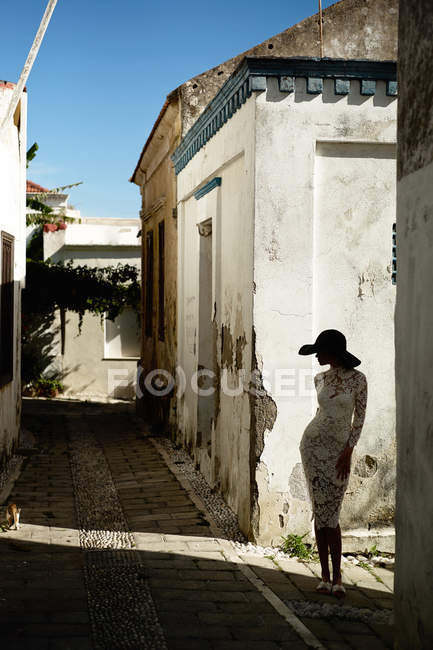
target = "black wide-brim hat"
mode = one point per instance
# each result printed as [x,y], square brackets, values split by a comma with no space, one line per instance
[331,341]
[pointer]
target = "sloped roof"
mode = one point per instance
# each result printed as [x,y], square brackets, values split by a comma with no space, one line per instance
[353,29]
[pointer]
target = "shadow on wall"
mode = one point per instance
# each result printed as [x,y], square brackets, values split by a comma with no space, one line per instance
[39,359]
[37,350]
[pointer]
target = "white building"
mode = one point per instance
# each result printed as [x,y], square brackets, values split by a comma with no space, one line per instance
[286,201]
[12,264]
[101,362]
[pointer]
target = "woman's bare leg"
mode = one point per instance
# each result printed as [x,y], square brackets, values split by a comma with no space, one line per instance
[334,541]
[322,547]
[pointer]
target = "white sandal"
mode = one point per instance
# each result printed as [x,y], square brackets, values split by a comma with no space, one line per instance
[338,590]
[324,587]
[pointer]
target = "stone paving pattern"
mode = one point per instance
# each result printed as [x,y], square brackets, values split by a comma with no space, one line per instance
[203,598]
[43,600]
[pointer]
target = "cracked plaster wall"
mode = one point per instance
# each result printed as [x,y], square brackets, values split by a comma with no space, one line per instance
[229,155]
[157,182]
[413,341]
[322,251]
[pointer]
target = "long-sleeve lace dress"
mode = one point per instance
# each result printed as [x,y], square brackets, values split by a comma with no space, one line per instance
[342,394]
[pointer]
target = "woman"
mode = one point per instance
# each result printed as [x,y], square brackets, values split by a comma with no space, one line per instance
[327,445]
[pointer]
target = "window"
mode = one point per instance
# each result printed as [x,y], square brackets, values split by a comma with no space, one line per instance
[122,336]
[7,309]
[149,283]
[161,316]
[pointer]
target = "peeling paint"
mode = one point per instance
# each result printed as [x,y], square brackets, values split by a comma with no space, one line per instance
[273,249]
[217,370]
[263,411]
[241,342]
[368,280]
[226,347]
[366,466]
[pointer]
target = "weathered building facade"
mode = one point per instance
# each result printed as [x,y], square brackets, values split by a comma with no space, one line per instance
[413,604]
[286,203]
[12,264]
[154,174]
[351,29]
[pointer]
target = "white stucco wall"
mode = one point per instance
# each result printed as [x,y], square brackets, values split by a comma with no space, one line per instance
[230,156]
[313,183]
[12,221]
[89,368]
[324,208]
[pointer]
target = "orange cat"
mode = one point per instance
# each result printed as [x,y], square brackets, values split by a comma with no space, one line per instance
[13,515]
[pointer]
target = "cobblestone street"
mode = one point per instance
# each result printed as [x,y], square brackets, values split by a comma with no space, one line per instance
[117,550]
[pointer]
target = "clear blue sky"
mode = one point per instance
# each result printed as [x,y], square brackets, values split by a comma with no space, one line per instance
[104,70]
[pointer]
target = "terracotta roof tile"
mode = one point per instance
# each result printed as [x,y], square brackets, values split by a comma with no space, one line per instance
[34,187]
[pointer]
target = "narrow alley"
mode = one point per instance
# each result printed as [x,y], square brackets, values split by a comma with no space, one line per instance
[117,550]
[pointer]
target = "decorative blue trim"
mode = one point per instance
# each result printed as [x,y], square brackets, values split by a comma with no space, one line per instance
[368,87]
[325,68]
[287,84]
[391,88]
[250,76]
[215,182]
[342,86]
[314,86]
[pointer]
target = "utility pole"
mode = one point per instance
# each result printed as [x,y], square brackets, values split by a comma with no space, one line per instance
[321,29]
[29,62]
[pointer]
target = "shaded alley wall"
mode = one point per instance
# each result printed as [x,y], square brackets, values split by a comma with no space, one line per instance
[414,326]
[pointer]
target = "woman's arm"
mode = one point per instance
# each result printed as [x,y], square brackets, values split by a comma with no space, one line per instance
[343,462]
[359,413]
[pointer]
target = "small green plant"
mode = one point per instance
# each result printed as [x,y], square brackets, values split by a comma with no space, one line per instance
[294,546]
[364,565]
[373,551]
[47,387]
[368,568]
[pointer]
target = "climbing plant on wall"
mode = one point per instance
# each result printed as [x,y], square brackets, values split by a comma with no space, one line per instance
[67,287]
[106,290]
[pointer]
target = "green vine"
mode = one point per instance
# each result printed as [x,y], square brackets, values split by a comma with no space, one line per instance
[80,288]
[67,287]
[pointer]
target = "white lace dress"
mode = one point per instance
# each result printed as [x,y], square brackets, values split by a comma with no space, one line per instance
[342,394]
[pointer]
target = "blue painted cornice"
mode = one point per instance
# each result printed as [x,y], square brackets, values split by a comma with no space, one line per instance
[215,182]
[250,76]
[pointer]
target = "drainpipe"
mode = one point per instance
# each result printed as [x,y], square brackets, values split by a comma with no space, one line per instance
[321,29]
